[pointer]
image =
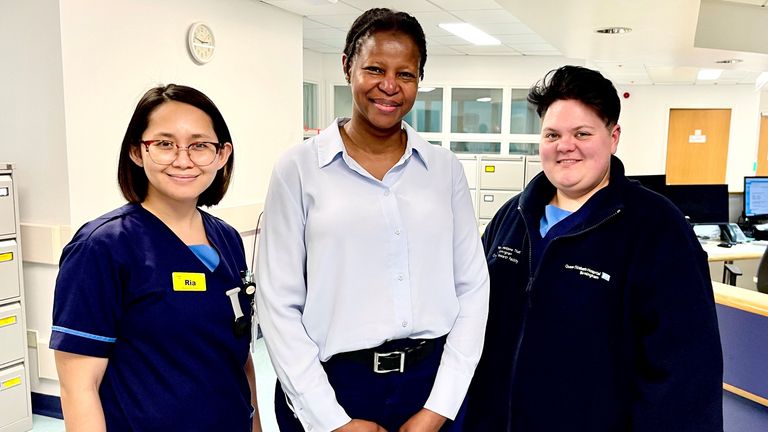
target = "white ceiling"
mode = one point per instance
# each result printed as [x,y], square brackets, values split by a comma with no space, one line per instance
[669,42]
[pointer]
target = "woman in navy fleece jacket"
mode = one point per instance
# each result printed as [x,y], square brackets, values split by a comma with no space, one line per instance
[602,315]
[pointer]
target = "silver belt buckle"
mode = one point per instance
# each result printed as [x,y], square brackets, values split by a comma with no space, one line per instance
[376,361]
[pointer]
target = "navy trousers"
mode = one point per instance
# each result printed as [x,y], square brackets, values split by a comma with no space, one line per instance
[388,399]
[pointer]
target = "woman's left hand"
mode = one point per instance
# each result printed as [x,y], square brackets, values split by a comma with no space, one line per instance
[423,421]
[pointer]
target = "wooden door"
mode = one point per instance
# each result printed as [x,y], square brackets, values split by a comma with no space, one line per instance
[762,148]
[697,146]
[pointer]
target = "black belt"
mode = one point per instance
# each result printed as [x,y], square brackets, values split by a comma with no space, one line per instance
[394,356]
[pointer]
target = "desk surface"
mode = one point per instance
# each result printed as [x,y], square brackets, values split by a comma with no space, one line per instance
[741,251]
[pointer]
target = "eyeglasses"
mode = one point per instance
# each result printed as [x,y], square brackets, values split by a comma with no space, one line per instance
[164,152]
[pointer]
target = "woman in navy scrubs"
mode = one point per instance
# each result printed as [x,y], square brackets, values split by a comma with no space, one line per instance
[145,301]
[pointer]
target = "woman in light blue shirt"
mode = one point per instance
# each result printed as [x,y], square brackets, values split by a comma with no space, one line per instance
[373,287]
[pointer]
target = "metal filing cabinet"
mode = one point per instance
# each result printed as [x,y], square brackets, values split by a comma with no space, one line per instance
[500,178]
[15,404]
[532,167]
[469,163]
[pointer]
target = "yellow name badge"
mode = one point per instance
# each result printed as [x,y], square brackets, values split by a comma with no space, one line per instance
[13,382]
[188,281]
[8,321]
[6,256]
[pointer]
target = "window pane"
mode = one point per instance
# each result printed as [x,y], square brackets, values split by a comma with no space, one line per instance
[476,110]
[342,101]
[427,112]
[523,148]
[310,106]
[437,143]
[475,147]
[524,117]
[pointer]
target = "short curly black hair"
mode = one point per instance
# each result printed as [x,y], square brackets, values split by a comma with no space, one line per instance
[577,83]
[383,19]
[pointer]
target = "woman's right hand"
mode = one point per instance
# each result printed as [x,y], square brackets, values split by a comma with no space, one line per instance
[357,425]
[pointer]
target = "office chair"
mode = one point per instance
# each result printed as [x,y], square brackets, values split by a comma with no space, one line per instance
[731,271]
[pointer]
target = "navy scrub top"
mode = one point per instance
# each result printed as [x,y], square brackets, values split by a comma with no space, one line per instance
[131,291]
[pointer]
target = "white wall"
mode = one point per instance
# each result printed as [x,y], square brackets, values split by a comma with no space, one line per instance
[645,121]
[114,51]
[80,67]
[32,113]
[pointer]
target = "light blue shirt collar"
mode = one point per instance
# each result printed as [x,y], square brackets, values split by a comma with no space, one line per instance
[330,144]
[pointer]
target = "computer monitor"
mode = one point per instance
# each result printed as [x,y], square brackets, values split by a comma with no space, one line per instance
[654,182]
[701,204]
[756,197]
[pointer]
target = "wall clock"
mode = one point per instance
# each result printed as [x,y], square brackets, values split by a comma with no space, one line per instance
[201,42]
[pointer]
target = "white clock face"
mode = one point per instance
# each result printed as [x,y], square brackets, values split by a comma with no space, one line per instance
[201,43]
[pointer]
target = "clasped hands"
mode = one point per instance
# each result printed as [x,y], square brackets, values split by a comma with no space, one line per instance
[423,421]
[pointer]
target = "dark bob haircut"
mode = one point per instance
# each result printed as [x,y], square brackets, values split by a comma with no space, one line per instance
[379,20]
[577,83]
[131,177]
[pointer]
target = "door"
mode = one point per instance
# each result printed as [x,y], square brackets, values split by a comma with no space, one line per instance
[697,146]
[762,148]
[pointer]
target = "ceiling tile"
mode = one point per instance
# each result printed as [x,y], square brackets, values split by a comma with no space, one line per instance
[304,8]
[324,33]
[486,16]
[341,21]
[317,46]
[450,40]
[529,38]
[409,6]
[466,5]
[510,28]
[527,48]
[672,75]
[433,49]
[489,50]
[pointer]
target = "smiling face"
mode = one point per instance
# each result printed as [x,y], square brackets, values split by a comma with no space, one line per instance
[384,80]
[575,149]
[182,181]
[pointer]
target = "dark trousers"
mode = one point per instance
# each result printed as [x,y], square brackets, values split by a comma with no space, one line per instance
[388,399]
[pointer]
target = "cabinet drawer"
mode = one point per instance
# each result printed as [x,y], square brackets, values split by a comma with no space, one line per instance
[532,167]
[506,174]
[491,201]
[14,391]
[11,334]
[7,209]
[470,171]
[9,269]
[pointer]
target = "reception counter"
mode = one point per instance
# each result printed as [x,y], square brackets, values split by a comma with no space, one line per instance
[743,318]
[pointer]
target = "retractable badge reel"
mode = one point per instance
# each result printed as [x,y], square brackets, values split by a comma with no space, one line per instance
[243,324]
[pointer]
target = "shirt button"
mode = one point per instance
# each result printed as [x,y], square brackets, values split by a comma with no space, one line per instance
[400,277]
[397,232]
[405,323]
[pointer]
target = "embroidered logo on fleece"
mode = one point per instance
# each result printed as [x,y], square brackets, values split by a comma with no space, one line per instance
[507,253]
[588,272]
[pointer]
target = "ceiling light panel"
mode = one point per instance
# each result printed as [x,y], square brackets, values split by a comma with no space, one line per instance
[470,33]
[709,74]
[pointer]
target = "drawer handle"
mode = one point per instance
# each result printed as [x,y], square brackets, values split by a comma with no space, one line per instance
[5,322]
[4,192]
[6,256]
[13,382]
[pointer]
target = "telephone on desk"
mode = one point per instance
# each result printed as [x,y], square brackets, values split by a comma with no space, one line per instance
[731,233]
